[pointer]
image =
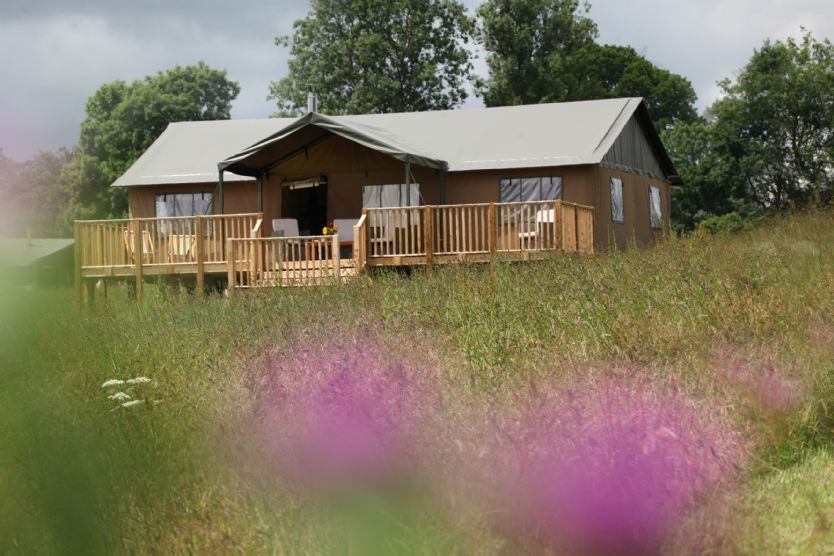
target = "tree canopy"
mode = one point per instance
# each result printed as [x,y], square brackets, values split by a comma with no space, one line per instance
[544,51]
[122,120]
[377,56]
[530,47]
[767,143]
[608,71]
[776,121]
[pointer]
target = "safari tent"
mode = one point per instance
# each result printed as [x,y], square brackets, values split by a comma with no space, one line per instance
[317,169]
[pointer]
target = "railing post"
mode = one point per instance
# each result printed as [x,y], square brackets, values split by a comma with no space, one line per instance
[230,266]
[200,254]
[337,258]
[492,219]
[557,224]
[593,230]
[367,237]
[77,266]
[428,233]
[138,258]
[576,227]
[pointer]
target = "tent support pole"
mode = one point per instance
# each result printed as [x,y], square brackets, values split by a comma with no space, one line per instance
[220,186]
[260,192]
[408,179]
[442,187]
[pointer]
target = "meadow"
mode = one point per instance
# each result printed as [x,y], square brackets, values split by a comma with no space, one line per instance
[671,400]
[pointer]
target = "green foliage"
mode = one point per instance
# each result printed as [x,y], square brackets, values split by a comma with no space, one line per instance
[376,57]
[124,119]
[530,45]
[731,222]
[608,71]
[544,51]
[776,122]
[712,182]
[35,194]
[768,143]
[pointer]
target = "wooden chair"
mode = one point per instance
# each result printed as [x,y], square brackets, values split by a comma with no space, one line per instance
[346,237]
[533,235]
[284,227]
[345,226]
[147,246]
[287,227]
[181,247]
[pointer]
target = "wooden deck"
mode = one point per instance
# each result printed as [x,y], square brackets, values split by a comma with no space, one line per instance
[233,245]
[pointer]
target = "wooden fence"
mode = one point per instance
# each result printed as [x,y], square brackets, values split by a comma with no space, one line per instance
[158,246]
[474,232]
[283,261]
[233,244]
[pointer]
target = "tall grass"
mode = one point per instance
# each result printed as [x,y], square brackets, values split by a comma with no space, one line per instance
[741,325]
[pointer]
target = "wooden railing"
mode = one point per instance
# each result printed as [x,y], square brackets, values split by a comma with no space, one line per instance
[164,241]
[427,234]
[283,261]
[360,243]
[140,246]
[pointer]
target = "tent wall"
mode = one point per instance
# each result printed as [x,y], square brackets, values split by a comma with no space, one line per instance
[240,197]
[484,186]
[587,185]
[631,152]
[635,226]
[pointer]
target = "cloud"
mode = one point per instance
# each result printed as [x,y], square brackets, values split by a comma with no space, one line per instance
[54,54]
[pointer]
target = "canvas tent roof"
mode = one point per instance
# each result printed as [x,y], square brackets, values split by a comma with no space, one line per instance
[26,252]
[512,137]
[188,152]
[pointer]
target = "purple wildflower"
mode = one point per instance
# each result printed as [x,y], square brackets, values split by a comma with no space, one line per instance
[612,466]
[772,388]
[343,414]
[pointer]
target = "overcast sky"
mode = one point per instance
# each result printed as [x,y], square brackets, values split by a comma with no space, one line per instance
[56,53]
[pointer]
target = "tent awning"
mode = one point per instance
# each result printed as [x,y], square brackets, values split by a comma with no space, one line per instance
[310,130]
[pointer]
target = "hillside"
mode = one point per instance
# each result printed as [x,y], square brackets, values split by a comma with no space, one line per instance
[693,380]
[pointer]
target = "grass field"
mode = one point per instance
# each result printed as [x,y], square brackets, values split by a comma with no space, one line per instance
[673,400]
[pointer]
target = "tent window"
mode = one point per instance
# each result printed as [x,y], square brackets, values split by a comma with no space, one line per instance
[391,195]
[617,213]
[655,208]
[514,190]
[184,204]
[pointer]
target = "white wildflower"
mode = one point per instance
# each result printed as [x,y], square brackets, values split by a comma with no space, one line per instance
[132,403]
[139,380]
[119,396]
[112,382]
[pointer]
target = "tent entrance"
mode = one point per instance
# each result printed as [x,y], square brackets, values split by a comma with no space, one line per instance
[308,205]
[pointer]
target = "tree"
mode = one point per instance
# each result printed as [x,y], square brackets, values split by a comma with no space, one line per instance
[608,71]
[377,56]
[776,122]
[530,47]
[711,179]
[124,119]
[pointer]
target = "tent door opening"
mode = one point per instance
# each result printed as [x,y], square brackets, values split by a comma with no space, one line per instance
[308,205]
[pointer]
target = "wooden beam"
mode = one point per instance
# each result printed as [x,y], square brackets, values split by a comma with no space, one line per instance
[77,262]
[230,266]
[337,258]
[138,256]
[201,258]
[492,224]
[428,233]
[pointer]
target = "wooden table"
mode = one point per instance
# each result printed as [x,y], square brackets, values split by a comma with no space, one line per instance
[314,249]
